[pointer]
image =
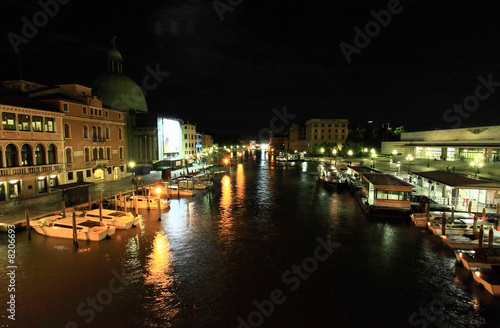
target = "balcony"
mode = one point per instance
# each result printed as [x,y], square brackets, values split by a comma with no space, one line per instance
[25,170]
[98,139]
[100,162]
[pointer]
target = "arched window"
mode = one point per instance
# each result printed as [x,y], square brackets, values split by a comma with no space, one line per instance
[85,131]
[94,153]
[52,154]
[1,162]
[26,155]
[94,132]
[87,154]
[39,155]
[99,133]
[120,133]
[101,153]
[69,158]
[67,130]
[11,155]
[108,153]
[107,133]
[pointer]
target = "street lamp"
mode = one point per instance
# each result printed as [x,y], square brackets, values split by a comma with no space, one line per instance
[477,164]
[132,164]
[158,192]
[409,158]
[334,151]
[374,154]
[350,154]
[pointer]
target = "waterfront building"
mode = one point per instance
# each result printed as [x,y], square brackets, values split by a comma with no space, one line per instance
[31,147]
[188,139]
[317,131]
[94,135]
[297,138]
[449,144]
[278,142]
[206,141]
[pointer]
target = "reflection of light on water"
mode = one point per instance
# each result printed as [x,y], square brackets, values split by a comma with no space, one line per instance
[159,274]
[304,166]
[226,221]
[240,183]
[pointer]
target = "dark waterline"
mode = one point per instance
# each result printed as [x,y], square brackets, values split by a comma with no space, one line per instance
[213,258]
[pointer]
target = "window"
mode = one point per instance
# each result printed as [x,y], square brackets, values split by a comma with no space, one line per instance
[106,113]
[67,131]
[26,155]
[89,173]
[99,133]
[69,157]
[51,152]
[107,132]
[85,132]
[108,153]
[65,107]
[101,153]
[94,153]
[9,121]
[121,152]
[185,136]
[39,155]
[91,111]
[36,123]
[94,132]
[11,155]
[119,116]
[23,122]
[70,176]
[49,124]
[120,133]
[84,110]
[185,127]
[86,155]
[100,112]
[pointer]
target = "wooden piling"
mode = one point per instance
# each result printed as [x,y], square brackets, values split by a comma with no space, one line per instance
[481,236]
[498,208]
[484,214]
[90,202]
[63,209]
[452,214]
[490,237]
[427,219]
[116,204]
[75,237]
[28,226]
[159,208]
[443,224]
[121,199]
[100,207]
[470,207]
[474,226]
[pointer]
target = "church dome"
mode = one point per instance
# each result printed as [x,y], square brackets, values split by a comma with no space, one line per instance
[117,90]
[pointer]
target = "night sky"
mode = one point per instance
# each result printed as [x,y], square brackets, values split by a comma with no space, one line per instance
[227,76]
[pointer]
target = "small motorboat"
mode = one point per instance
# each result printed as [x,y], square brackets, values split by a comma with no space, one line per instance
[420,219]
[62,227]
[488,278]
[148,202]
[175,192]
[118,219]
[479,258]
[331,177]
[458,227]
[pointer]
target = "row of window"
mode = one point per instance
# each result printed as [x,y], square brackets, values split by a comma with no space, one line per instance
[93,111]
[42,157]
[329,125]
[27,123]
[329,137]
[186,145]
[191,136]
[97,153]
[96,133]
[329,130]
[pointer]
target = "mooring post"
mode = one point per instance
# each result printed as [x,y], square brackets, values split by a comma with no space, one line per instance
[474,226]
[116,204]
[28,226]
[75,238]
[100,207]
[427,219]
[63,209]
[90,201]
[490,237]
[481,236]
[443,224]
[159,208]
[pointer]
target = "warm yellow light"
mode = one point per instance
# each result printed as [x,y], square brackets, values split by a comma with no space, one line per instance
[225,160]
[365,150]
[349,152]
[394,152]
[478,273]
[334,151]
[132,164]
[158,190]
[322,150]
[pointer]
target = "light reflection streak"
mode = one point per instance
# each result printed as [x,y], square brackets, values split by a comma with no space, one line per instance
[240,184]
[226,220]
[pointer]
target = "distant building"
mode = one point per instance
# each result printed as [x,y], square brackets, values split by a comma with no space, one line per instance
[188,132]
[297,138]
[278,142]
[449,144]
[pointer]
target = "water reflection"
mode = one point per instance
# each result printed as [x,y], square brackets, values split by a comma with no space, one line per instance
[240,184]
[226,218]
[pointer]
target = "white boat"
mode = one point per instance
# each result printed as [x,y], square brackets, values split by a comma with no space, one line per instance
[479,258]
[458,227]
[488,278]
[142,202]
[175,191]
[59,227]
[465,242]
[118,219]
[420,220]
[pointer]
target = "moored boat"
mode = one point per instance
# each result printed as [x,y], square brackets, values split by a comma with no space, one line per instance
[118,219]
[488,278]
[479,258]
[59,227]
[144,202]
[420,219]
[331,177]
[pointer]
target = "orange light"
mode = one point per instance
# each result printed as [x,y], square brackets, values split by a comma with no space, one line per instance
[478,273]
[461,255]
[444,237]
[158,190]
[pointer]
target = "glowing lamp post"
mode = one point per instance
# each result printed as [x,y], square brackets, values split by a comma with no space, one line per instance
[158,192]
[350,156]
[409,158]
[335,156]
[132,164]
[477,164]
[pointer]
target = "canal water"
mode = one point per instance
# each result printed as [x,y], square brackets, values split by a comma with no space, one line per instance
[272,249]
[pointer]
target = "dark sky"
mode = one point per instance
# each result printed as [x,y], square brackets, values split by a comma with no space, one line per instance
[227,76]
